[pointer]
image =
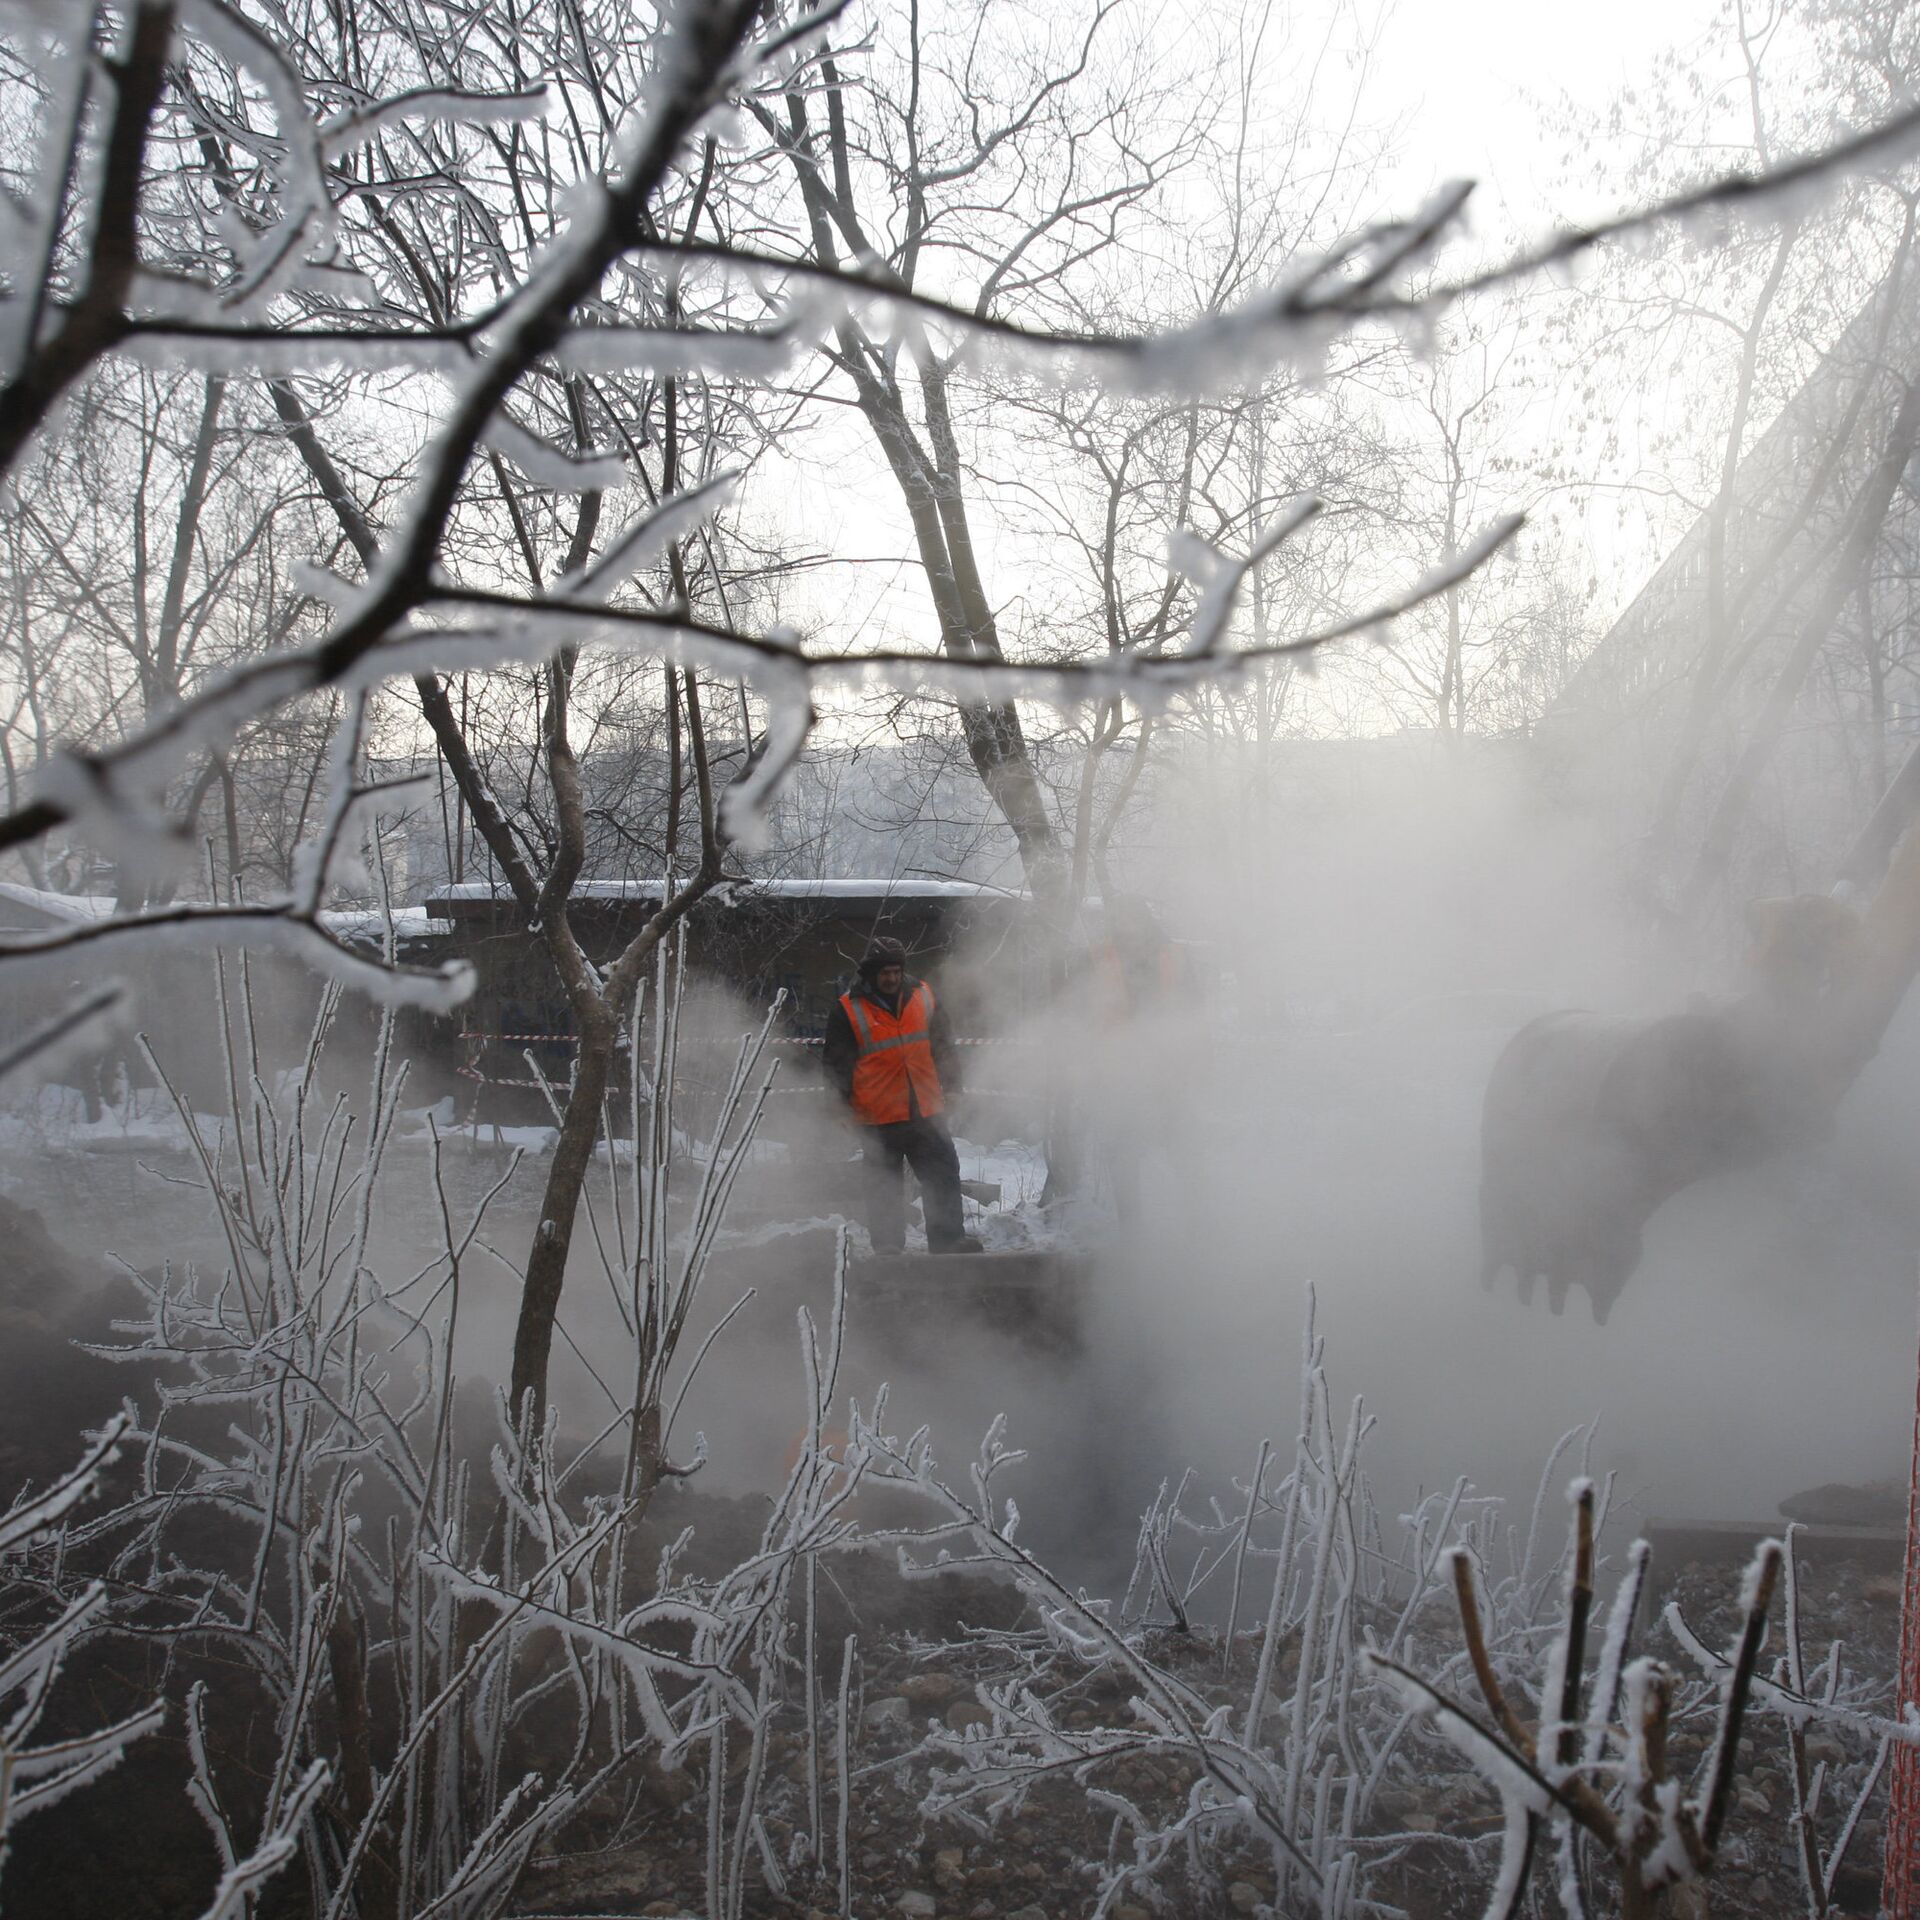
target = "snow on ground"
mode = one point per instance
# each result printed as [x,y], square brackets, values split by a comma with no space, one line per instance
[1018,1222]
[53,1119]
[772,1232]
[1017,1166]
[56,1119]
[423,1123]
[59,909]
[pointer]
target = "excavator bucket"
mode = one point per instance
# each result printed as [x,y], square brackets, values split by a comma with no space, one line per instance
[1590,1123]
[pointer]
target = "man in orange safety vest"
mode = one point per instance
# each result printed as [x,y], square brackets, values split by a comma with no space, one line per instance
[890,1053]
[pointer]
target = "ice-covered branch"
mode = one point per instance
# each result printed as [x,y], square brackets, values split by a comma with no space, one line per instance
[1365,276]
[38,1514]
[1601,1774]
[32,1777]
[523,628]
[283,928]
[49,359]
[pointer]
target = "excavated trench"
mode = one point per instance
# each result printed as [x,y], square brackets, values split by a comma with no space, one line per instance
[1765,1346]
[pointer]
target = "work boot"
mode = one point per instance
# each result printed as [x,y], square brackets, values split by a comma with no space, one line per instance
[965,1244]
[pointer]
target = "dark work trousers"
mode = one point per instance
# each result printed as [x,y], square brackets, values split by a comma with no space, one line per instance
[927,1146]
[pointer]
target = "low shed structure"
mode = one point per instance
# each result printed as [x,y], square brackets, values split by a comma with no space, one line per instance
[801,936]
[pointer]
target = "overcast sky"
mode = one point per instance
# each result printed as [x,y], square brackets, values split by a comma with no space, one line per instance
[1476,88]
[1471,77]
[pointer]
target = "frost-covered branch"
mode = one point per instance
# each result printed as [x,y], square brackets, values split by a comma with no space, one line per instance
[34,1777]
[522,628]
[274,928]
[1589,1775]
[1366,276]
[48,350]
[533,323]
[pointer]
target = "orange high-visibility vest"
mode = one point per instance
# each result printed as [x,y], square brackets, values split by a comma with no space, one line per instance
[895,1054]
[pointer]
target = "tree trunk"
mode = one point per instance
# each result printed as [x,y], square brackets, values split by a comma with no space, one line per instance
[553,1238]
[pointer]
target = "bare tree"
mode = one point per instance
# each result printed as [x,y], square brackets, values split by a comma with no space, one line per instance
[148,550]
[888,176]
[524,513]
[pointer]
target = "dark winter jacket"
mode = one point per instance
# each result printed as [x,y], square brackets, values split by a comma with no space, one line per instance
[843,1049]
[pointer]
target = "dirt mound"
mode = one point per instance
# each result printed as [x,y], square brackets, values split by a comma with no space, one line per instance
[40,1283]
[50,1391]
[1881,1503]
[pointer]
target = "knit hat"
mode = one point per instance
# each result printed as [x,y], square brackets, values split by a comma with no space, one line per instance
[882,951]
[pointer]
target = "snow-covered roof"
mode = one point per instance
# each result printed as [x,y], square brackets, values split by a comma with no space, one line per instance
[906,892]
[350,923]
[871,890]
[369,923]
[64,909]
